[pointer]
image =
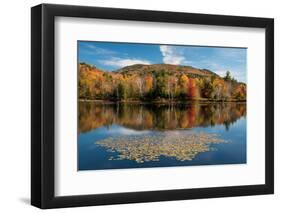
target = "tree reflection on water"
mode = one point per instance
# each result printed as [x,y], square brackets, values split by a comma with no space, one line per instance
[158,116]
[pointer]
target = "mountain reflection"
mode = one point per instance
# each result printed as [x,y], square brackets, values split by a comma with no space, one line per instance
[158,117]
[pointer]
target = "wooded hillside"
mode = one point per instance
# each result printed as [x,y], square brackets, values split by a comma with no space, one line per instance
[158,82]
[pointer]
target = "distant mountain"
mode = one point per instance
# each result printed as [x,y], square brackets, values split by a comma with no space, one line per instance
[142,69]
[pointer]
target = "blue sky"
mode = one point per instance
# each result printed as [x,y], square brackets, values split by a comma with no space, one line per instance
[112,56]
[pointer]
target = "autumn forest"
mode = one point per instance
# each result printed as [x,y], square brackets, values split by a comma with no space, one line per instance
[158,83]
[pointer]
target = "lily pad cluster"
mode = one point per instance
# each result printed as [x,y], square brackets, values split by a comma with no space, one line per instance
[144,148]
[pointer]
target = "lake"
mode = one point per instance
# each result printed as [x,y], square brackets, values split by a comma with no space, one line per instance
[123,135]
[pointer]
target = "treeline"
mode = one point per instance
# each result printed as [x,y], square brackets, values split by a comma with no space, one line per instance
[95,84]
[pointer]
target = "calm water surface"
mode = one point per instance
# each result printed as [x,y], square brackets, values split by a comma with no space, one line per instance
[114,136]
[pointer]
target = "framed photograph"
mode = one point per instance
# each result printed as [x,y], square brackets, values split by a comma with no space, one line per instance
[139,106]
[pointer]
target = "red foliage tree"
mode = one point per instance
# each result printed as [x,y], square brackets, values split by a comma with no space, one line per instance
[192,88]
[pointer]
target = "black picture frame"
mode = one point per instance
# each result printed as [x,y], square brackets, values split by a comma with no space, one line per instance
[43,102]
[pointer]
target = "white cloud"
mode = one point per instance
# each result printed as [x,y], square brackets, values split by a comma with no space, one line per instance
[125,131]
[237,74]
[122,62]
[221,73]
[171,55]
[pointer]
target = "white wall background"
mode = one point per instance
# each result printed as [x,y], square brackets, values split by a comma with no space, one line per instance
[15,105]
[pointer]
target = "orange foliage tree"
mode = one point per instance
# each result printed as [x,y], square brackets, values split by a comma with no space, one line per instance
[148,83]
[192,88]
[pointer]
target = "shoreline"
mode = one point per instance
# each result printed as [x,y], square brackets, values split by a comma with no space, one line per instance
[203,101]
